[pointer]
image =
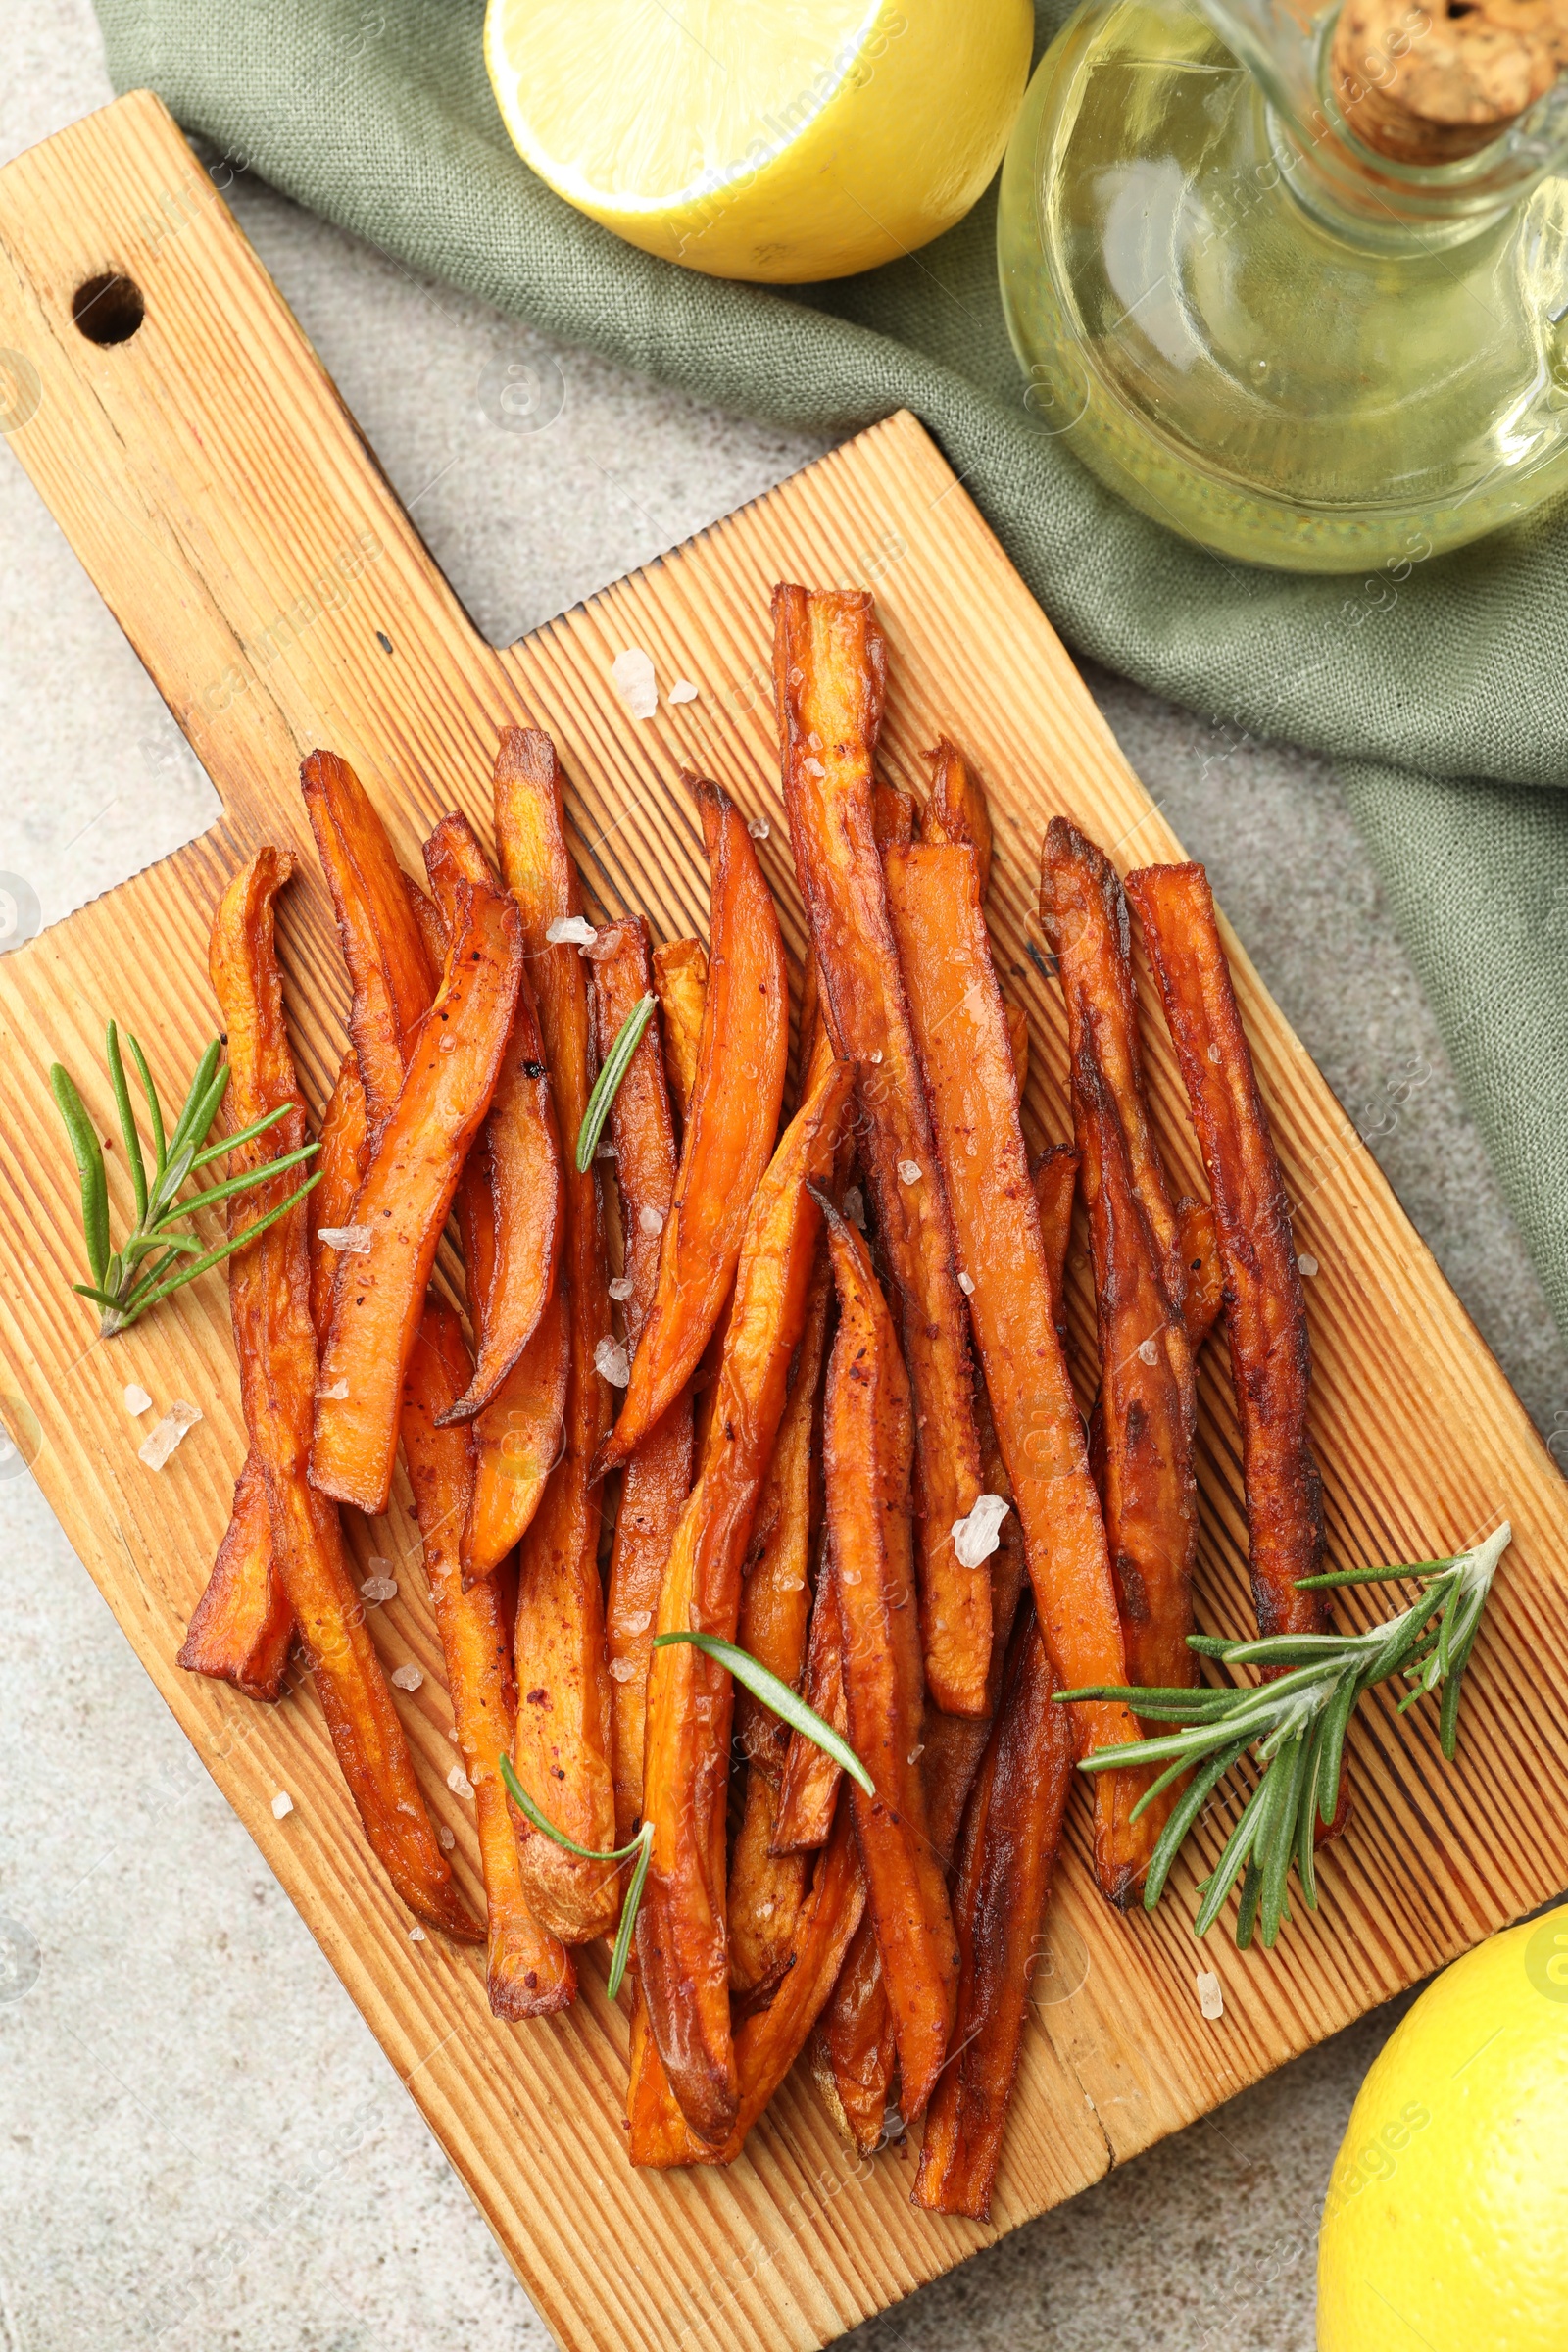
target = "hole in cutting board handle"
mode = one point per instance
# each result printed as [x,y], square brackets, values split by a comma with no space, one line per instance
[107,309]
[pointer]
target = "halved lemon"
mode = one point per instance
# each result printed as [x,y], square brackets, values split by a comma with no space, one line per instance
[785,140]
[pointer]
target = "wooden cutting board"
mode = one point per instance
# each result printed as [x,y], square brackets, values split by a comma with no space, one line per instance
[239,527]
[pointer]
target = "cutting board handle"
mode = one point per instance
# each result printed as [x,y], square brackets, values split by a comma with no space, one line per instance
[192,448]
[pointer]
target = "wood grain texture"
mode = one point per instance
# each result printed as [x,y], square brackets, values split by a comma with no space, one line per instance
[222,500]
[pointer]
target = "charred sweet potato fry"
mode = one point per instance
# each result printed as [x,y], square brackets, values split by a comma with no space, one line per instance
[681,1939]
[391,976]
[957,810]
[520,1160]
[768,2041]
[1147,1403]
[680,983]
[242,1627]
[730,1128]
[530,1973]
[1205,1283]
[969,1072]
[562,1745]
[892,815]
[1017,1021]
[854,2053]
[269,1298]
[810,1782]
[1055,1188]
[407,1190]
[829,674]
[1011,1835]
[659,1477]
[1265,1317]
[868,1454]
[767,1889]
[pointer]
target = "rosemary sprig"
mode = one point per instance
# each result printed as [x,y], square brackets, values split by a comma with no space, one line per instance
[617,1061]
[122,1284]
[773,1693]
[1295,1727]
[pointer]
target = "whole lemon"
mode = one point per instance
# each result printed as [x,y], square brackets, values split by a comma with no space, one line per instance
[1447,2218]
[787,140]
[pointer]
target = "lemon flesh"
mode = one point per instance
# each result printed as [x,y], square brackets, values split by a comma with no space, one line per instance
[786,140]
[1447,2218]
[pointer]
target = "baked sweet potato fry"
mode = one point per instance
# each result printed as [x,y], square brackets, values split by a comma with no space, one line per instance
[392,978]
[680,983]
[767,1888]
[681,1939]
[1056,1183]
[519,1439]
[269,1298]
[658,1476]
[964,1052]
[242,1627]
[892,815]
[730,1129]
[404,1198]
[529,1973]
[1011,1835]
[1206,1282]
[562,1745]
[520,1160]
[769,2040]
[1147,1403]
[1017,1021]
[957,810]
[868,1455]
[854,2053]
[810,1782]
[1265,1316]
[829,674]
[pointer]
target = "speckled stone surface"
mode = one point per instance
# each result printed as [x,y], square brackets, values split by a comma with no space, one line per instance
[200,2147]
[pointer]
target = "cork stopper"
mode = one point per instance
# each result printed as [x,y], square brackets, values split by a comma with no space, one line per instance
[1430,81]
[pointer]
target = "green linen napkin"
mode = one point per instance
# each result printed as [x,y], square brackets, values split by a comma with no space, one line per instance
[1442,709]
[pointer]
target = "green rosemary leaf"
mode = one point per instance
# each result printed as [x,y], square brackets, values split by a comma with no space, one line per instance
[1238,1847]
[89,1159]
[778,1697]
[629,1910]
[1338,1577]
[247,1182]
[245,1135]
[1173,1836]
[210,1072]
[84,1290]
[607,1083]
[1247,1909]
[1279,1839]
[155,1110]
[141,1299]
[128,1121]
[547,1828]
[1306,1816]
[176,1170]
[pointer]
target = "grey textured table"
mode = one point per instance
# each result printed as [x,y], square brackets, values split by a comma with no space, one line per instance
[200,2145]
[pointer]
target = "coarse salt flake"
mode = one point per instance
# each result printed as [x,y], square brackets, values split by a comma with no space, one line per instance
[976,1538]
[759,828]
[417,1935]
[355,1238]
[570,931]
[966,1285]
[604,1149]
[633,673]
[408,1678]
[136,1398]
[622,1286]
[282,1805]
[1308,1263]
[1210,1994]
[854,1207]
[339,1390]
[379,1588]
[1213,1052]
[612,1363]
[910,1171]
[458,1781]
[683,691]
[651,1220]
[160,1443]
[1149,1352]
[622,1670]
[444,1837]
[639,1621]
